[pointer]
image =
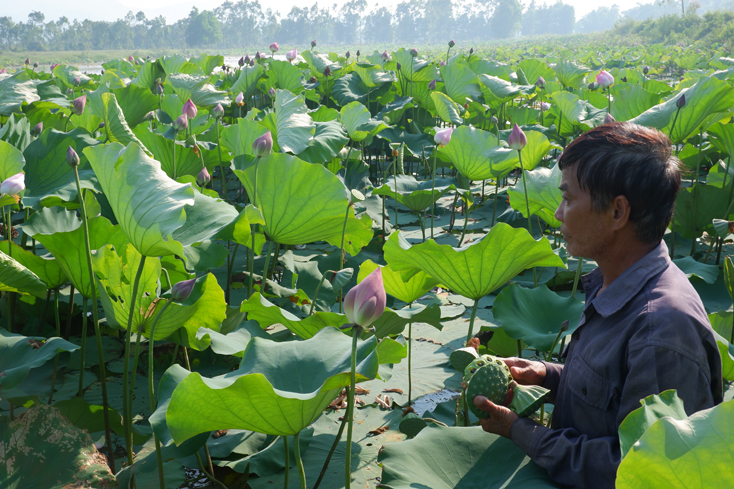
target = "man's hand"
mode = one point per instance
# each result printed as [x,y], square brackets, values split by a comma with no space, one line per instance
[500,418]
[526,372]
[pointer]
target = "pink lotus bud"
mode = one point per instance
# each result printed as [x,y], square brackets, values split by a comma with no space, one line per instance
[274,47]
[432,85]
[13,185]
[159,88]
[218,111]
[247,59]
[291,55]
[258,55]
[327,71]
[681,102]
[312,79]
[609,118]
[471,51]
[398,66]
[646,70]
[101,125]
[544,106]
[241,61]
[77,81]
[77,107]
[271,92]
[240,99]
[604,79]
[27,61]
[540,83]
[182,290]
[443,137]
[37,129]
[358,53]
[385,56]
[35,65]
[494,120]
[365,303]
[203,178]
[181,123]
[72,158]
[347,54]
[263,145]
[414,53]
[150,116]
[517,139]
[442,63]
[313,43]
[189,109]
[452,43]
[131,59]
[252,62]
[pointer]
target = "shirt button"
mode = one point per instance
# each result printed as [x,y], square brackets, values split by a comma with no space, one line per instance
[575,336]
[583,390]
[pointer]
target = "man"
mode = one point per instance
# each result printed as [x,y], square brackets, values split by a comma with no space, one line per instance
[644,329]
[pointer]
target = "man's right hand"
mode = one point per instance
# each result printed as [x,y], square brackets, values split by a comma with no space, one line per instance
[526,372]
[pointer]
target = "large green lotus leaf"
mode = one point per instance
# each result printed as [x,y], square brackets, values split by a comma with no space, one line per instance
[693,215]
[393,322]
[116,127]
[66,74]
[417,70]
[460,83]
[536,315]
[295,213]
[478,268]
[416,144]
[17,129]
[631,101]
[723,137]
[708,96]
[569,73]
[328,140]
[416,194]
[544,195]
[500,89]
[207,63]
[536,149]
[47,269]
[179,64]
[20,354]
[569,106]
[393,111]
[691,267]
[135,103]
[148,205]
[470,150]
[350,88]
[280,387]
[319,62]
[653,408]
[187,162]
[692,452]
[15,90]
[48,175]
[198,89]
[247,82]
[447,109]
[373,75]
[284,76]
[237,139]
[405,290]
[69,456]
[11,161]
[148,73]
[207,217]
[449,457]
[533,68]
[89,417]
[15,277]
[62,234]
[294,127]
[359,122]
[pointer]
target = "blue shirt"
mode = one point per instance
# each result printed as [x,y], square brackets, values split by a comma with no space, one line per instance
[645,333]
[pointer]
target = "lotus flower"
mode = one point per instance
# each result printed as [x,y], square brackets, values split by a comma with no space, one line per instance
[181,123]
[150,116]
[398,66]
[442,63]
[35,65]
[240,99]
[13,185]
[77,107]
[274,47]
[452,43]
[517,139]
[27,61]
[358,53]
[263,145]
[218,111]
[182,290]
[540,83]
[189,109]
[443,137]
[271,92]
[77,81]
[241,61]
[471,51]
[432,85]
[681,102]
[131,59]
[37,129]
[252,62]
[609,118]
[313,43]
[347,54]
[544,106]
[384,56]
[203,178]
[604,79]
[414,53]
[72,158]
[291,55]
[365,303]
[258,55]
[101,125]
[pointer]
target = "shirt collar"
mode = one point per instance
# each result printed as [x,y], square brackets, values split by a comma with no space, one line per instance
[627,285]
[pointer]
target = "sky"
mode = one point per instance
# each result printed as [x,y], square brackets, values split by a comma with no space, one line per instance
[174,10]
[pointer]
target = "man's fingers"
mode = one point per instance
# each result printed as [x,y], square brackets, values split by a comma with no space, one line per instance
[485,404]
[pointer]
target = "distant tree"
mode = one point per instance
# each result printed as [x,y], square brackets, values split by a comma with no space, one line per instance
[439,20]
[601,19]
[377,26]
[408,24]
[505,20]
[203,30]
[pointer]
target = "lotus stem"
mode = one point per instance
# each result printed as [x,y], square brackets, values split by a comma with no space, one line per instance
[8,235]
[206,472]
[221,165]
[287,462]
[299,462]
[466,219]
[494,209]
[410,347]
[95,319]
[174,156]
[57,318]
[264,285]
[127,411]
[72,291]
[341,261]
[695,182]
[271,275]
[383,215]
[151,391]
[251,258]
[471,320]
[527,200]
[83,346]
[433,187]
[576,277]
[670,133]
[316,294]
[333,448]
[395,181]
[423,226]
[356,330]
[541,106]
[230,265]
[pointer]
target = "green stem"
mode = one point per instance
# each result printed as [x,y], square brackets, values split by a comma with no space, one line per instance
[471,320]
[316,294]
[466,219]
[299,462]
[423,226]
[494,209]
[332,450]
[230,266]
[72,291]
[527,200]
[287,462]
[576,277]
[410,342]
[8,235]
[356,330]
[275,261]
[174,155]
[83,348]
[58,333]
[264,286]
[670,134]
[151,391]
[221,165]
[341,261]
[206,472]
[433,187]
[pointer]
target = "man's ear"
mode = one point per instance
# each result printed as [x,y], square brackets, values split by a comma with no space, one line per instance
[621,210]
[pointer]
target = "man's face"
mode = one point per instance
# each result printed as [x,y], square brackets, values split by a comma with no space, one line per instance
[586,231]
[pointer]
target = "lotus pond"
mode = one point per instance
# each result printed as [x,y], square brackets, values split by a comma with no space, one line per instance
[179,245]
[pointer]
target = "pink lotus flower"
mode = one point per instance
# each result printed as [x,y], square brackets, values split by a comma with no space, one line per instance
[517,139]
[72,158]
[13,185]
[271,92]
[181,123]
[274,47]
[604,79]
[203,178]
[37,129]
[385,56]
[443,137]
[218,111]
[540,83]
[291,55]
[432,85]
[544,106]
[609,118]
[189,109]
[182,290]
[77,106]
[240,99]
[365,303]
[263,145]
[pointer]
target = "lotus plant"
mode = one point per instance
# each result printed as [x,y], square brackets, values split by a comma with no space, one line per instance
[432,85]
[181,124]
[606,80]
[37,129]
[442,138]
[540,83]
[291,55]
[452,43]
[13,185]
[189,110]
[261,148]
[203,179]
[77,108]
[273,48]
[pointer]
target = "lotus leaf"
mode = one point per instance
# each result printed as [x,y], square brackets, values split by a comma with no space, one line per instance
[460,83]
[15,277]
[544,195]
[198,89]
[247,82]
[47,269]
[447,109]
[406,290]
[116,126]
[15,90]
[416,195]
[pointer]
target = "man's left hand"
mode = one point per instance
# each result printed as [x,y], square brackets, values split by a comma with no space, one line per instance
[500,418]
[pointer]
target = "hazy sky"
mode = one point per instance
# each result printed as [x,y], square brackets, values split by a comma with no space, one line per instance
[173,10]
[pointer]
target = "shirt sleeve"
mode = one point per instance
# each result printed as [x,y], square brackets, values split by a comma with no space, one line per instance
[552,378]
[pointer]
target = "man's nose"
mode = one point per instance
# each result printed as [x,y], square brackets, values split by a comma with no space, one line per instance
[559,212]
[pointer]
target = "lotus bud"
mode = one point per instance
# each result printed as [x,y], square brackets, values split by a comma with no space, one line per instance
[681,102]
[241,61]
[384,56]
[274,47]
[77,106]
[37,129]
[77,81]
[494,120]
[218,111]
[271,92]
[312,79]
[181,123]
[365,303]
[203,178]
[624,79]
[159,88]
[442,63]
[540,83]
[72,158]
[604,79]
[443,137]
[101,125]
[189,109]
[609,118]
[252,62]
[27,61]
[240,99]
[592,86]
[347,54]
[35,65]
[291,55]
[247,59]
[432,85]
[263,145]
[182,290]
[327,71]
[471,51]
[399,66]
[452,43]
[150,116]
[544,106]
[13,185]
[258,55]
[517,139]
[313,43]
[131,59]
[358,53]
[413,53]
[646,70]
